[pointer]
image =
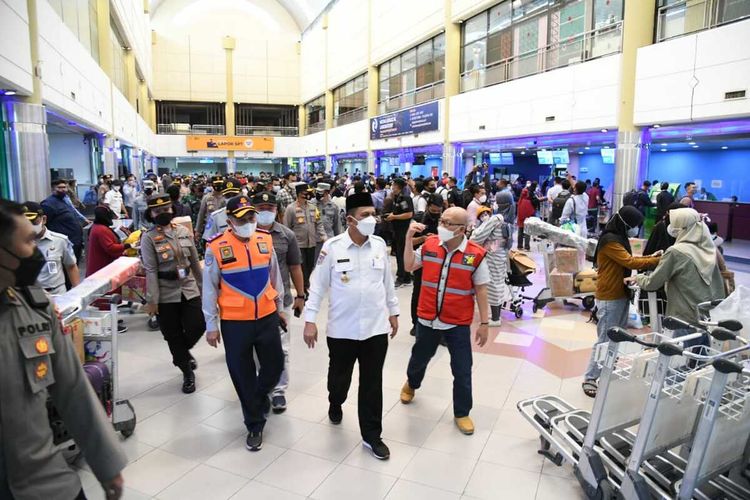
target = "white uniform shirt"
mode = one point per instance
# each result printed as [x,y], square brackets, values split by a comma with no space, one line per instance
[362,292]
[58,251]
[114,200]
[480,277]
[553,192]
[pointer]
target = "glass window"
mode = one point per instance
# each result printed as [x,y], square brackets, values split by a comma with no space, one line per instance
[395,66]
[350,96]
[425,70]
[607,12]
[438,50]
[499,46]
[475,56]
[409,60]
[500,16]
[475,28]
[385,73]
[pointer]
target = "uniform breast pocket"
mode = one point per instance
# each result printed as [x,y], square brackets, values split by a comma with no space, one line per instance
[36,351]
[165,253]
[343,270]
[186,245]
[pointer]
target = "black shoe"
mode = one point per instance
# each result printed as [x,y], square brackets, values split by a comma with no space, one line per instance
[335,414]
[254,441]
[378,448]
[193,363]
[188,382]
[278,404]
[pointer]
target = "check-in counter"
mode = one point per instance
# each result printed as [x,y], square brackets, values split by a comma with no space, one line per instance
[732,218]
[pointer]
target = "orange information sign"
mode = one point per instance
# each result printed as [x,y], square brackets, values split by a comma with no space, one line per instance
[229,143]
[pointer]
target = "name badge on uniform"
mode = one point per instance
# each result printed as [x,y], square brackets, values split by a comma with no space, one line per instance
[227,254]
[427,253]
[51,267]
[262,247]
[469,259]
[182,273]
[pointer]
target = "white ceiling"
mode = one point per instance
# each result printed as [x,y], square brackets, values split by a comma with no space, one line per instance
[304,12]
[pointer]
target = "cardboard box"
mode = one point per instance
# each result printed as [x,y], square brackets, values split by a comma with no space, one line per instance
[567,260]
[185,221]
[134,290]
[561,284]
[75,329]
[96,322]
[585,281]
[637,245]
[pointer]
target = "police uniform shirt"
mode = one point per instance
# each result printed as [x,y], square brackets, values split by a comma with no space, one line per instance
[306,224]
[211,201]
[362,292]
[287,252]
[114,200]
[401,205]
[36,362]
[331,215]
[481,276]
[164,251]
[211,286]
[216,223]
[58,251]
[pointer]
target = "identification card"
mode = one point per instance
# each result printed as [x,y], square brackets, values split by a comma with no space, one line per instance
[52,267]
[182,273]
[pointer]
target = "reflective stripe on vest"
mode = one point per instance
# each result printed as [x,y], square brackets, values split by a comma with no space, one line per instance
[457,304]
[245,291]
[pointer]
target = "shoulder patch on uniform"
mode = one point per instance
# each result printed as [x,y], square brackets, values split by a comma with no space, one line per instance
[469,259]
[214,237]
[227,253]
[262,247]
[259,230]
[322,257]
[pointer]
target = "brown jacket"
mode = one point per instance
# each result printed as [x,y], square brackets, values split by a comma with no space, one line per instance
[612,262]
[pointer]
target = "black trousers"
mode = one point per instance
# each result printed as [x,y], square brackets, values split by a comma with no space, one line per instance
[308,264]
[399,243]
[370,353]
[523,240]
[182,324]
[415,296]
[240,339]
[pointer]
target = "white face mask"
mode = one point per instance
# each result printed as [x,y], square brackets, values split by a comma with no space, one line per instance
[366,226]
[245,230]
[483,198]
[484,218]
[633,232]
[672,231]
[276,189]
[266,218]
[445,234]
[117,188]
[38,228]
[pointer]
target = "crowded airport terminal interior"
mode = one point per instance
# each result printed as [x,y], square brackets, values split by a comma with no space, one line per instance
[374,249]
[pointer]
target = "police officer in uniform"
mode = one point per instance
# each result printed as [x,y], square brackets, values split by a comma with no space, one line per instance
[173,282]
[57,250]
[217,220]
[211,201]
[363,309]
[243,291]
[37,362]
[329,212]
[303,217]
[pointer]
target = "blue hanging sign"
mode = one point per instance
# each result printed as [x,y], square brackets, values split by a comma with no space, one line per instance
[423,118]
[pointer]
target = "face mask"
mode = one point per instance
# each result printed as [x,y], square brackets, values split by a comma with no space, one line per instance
[445,234]
[266,218]
[430,189]
[59,195]
[633,232]
[245,230]
[148,191]
[117,188]
[318,196]
[483,198]
[276,189]
[366,226]
[28,269]
[672,231]
[38,229]
[163,218]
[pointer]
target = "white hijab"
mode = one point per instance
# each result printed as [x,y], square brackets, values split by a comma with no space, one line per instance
[693,239]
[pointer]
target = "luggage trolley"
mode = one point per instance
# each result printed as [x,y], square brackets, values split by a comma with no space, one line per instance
[545,296]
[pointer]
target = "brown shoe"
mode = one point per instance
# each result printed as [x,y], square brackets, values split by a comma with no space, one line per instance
[407,393]
[465,425]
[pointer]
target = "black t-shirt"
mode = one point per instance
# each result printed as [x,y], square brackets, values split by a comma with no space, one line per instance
[401,205]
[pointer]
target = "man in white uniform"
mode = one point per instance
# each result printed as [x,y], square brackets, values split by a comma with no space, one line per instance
[113,199]
[363,309]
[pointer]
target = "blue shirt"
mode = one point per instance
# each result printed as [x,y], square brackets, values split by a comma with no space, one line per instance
[62,218]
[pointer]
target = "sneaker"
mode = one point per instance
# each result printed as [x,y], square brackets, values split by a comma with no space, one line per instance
[121,328]
[335,414]
[496,322]
[465,425]
[378,448]
[278,404]
[407,393]
[254,441]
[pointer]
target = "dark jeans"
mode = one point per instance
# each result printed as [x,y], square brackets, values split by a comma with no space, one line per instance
[523,240]
[240,339]
[182,325]
[459,347]
[399,243]
[370,353]
[308,264]
[415,296]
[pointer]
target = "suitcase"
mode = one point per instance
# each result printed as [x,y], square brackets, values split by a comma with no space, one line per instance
[98,375]
[585,281]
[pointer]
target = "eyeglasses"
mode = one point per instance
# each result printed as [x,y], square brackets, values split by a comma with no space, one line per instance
[448,223]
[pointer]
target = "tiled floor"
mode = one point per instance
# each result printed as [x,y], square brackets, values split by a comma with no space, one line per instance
[192,447]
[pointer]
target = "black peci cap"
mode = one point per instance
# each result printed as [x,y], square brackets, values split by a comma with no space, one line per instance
[359,200]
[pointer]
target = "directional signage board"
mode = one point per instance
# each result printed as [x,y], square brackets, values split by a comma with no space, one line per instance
[422,118]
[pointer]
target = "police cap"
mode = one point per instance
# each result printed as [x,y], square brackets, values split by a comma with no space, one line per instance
[238,206]
[159,200]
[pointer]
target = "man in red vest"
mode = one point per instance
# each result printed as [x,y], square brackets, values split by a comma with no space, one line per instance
[454,272]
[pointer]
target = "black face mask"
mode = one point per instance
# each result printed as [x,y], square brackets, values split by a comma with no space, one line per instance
[28,269]
[163,219]
[318,196]
[148,191]
[430,189]
[59,195]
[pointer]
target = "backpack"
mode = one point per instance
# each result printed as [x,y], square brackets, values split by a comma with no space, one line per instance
[630,198]
[558,204]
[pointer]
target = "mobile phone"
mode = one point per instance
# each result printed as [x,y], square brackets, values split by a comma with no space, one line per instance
[297,312]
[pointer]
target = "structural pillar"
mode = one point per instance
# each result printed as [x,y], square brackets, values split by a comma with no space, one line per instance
[28,151]
[36,96]
[452,81]
[144,108]
[105,49]
[110,156]
[301,119]
[229,122]
[131,85]
[373,89]
[631,156]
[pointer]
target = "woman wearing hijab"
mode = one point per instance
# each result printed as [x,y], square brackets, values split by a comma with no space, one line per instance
[614,261]
[525,210]
[104,245]
[493,233]
[688,270]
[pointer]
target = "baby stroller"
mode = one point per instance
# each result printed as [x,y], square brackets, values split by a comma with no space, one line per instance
[521,265]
